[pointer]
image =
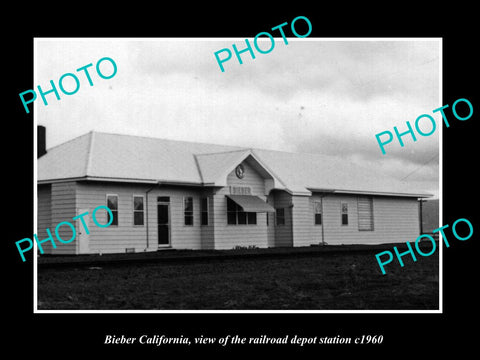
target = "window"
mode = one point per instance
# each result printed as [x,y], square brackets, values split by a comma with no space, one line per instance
[241,217]
[267,214]
[188,210]
[344,214]
[251,218]
[138,210]
[236,215]
[231,212]
[365,213]
[280,216]
[317,210]
[112,204]
[204,211]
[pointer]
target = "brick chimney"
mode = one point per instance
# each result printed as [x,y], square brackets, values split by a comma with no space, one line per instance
[41,141]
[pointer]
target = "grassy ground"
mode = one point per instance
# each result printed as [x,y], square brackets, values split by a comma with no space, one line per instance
[329,281]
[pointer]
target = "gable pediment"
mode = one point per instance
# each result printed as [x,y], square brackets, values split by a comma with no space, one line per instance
[217,168]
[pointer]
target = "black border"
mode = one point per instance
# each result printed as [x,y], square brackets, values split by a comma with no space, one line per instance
[404,334]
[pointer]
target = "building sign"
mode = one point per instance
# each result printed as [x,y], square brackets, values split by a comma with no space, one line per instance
[240,190]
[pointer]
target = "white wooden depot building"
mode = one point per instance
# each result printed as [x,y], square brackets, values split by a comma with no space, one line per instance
[185,195]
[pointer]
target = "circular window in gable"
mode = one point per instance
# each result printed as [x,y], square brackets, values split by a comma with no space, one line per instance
[240,171]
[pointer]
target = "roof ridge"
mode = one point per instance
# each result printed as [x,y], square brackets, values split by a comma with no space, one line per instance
[224,152]
[89,153]
[165,139]
[259,159]
[130,157]
[340,158]
[198,167]
[234,147]
[69,141]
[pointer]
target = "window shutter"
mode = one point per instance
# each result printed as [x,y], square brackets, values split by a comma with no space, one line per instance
[365,213]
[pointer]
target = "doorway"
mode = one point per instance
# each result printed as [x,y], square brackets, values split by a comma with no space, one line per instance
[163,220]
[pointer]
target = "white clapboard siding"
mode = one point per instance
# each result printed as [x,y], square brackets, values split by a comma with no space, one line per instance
[183,236]
[395,219]
[283,233]
[303,222]
[271,221]
[228,236]
[63,203]
[44,214]
[127,235]
[114,238]
[251,179]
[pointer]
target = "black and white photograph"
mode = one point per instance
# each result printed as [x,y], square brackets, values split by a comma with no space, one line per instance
[270,171]
[241,182]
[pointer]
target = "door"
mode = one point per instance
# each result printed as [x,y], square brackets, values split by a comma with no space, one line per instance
[163,217]
[83,240]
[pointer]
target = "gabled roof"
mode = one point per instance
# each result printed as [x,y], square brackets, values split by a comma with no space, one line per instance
[212,166]
[97,155]
[215,167]
[317,172]
[103,156]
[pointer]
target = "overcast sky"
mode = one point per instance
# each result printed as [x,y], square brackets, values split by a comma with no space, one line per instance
[328,96]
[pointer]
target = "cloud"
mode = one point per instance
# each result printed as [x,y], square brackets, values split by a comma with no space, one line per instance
[357,69]
[317,95]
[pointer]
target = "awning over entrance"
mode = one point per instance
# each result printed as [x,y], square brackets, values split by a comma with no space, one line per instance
[250,203]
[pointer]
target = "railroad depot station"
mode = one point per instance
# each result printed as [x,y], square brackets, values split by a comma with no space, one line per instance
[185,195]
